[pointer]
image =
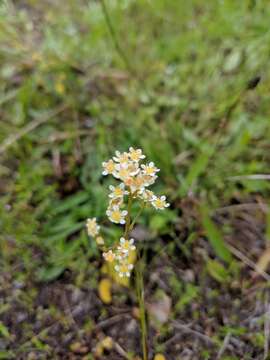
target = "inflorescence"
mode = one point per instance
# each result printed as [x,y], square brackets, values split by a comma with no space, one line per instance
[135,178]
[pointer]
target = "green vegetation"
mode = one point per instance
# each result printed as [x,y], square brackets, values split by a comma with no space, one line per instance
[188,82]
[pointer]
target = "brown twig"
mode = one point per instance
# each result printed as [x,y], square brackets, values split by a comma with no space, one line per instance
[112,320]
[172,339]
[247,206]
[185,328]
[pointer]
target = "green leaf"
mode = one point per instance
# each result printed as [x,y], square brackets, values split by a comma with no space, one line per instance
[214,236]
[217,271]
[196,169]
[159,221]
[50,273]
[71,202]
[3,330]
[6,355]
[190,294]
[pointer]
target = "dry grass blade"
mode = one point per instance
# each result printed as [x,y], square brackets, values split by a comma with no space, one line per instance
[248,262]
[30,127]
[112,320]
[58,137]
[188,330]
[121,351]
[250,177]
[239,207]
[266,328]
[224,346]
[264,260]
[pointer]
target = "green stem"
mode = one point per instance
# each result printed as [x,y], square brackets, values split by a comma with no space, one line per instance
[140,295]
[114,37]
[128,217]
[139,276]
[137,216]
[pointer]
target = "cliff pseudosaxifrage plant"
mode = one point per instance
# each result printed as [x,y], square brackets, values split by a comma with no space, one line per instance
[135,178]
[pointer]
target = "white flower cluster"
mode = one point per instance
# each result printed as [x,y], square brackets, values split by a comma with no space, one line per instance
[92,227]
[135,178]
[93,230]
[121,256]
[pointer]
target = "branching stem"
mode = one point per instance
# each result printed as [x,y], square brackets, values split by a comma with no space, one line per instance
[137,216]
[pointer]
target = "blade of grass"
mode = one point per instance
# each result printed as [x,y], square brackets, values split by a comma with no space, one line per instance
[214,236]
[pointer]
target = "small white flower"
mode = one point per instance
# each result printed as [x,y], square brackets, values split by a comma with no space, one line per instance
[116,215]
[121,256]
[133,168]
[92,227]
[123,269]
[108,166]
[136,154]
[115,202]
[121,171]
[159,203]
[147,195]
[117,191]
[121,158]
[126,245]
[99,240]
[109,256]
[149,169]
[135,183]
[149,180]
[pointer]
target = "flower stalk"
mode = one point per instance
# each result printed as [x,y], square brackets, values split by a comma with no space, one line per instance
[135,178]
[140,297]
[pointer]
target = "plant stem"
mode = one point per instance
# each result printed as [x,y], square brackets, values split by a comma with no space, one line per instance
[140,295]
[114,37]
[137,216]
[139,277]
[128,217]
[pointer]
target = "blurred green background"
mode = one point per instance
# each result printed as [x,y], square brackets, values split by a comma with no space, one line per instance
[186,81]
